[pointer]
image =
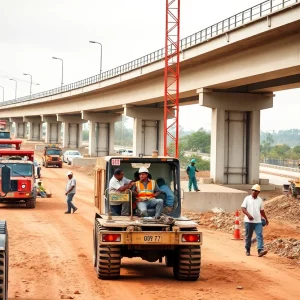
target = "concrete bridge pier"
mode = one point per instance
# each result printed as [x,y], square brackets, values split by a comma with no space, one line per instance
[101,132]
[72,130]
[20,127]
[148,129]
[34,128]
[235,134]
[53,129]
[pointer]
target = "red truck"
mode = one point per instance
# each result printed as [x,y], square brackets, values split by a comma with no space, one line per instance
[22,183]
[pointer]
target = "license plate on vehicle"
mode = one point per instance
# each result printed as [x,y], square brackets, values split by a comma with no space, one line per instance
[152,238]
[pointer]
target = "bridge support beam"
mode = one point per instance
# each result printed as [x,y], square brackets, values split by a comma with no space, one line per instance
[72,131]
[148,129]
[235,134]
[101,132]
[20,127]
[53,129]
[34,128]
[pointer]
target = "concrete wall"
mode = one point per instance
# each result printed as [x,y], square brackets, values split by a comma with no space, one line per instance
[214,196]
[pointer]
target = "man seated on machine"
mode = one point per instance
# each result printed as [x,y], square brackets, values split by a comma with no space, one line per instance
[118,184]
[169,199]
[145,191]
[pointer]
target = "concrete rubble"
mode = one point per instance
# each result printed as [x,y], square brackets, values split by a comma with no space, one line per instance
[289,248]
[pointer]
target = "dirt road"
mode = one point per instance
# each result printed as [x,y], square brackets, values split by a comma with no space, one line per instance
[51,255]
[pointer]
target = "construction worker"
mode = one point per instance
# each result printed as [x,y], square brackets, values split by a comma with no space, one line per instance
[119,184]
[191,172]
[169,201]
[145,192]
[253,208]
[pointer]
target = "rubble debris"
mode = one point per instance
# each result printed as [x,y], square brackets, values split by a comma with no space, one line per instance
[289,248]
[283,208]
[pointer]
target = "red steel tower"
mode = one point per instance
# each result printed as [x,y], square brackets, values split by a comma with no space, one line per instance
[171,78]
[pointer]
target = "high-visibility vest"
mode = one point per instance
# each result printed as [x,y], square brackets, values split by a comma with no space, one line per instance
[145,193]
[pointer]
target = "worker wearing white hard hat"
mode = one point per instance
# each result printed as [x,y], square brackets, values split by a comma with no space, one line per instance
[253,208]
[146,191]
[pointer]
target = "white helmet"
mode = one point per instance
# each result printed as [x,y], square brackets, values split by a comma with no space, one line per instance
[143,170]
[256,187]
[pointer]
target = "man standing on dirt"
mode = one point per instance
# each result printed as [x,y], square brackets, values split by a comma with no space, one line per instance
[191,172]
[253,208]
[70,192]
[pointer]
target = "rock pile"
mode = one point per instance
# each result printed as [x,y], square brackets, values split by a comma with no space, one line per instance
[283,208]
[217,221]
[289,248]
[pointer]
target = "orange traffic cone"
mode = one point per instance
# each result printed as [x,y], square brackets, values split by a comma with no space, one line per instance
[237,233]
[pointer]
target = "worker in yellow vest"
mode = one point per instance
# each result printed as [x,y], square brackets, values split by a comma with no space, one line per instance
[145,192]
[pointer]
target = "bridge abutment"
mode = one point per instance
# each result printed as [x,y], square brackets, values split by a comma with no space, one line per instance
[235,134]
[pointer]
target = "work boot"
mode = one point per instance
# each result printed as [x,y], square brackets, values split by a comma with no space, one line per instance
[74,209]
[262,253]
[198,190]
[248,253]
[67,212]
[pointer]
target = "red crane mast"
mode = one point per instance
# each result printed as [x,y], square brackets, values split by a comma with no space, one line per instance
[171,78]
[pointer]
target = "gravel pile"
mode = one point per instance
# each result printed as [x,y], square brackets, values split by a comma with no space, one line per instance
[289,248]
[217,221]
[283,208]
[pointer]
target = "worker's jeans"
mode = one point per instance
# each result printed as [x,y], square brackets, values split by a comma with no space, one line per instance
[43,194]
[193,182]
[69,201]
[120,209]
[250,228]
[158,204]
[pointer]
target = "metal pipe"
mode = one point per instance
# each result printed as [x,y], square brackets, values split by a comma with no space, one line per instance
[30,83]
[62,70]
[15,87]
[2,93]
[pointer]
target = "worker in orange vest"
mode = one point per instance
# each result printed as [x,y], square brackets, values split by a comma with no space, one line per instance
[146,191]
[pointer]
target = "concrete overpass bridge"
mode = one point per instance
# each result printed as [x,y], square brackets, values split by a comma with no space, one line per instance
[233,67]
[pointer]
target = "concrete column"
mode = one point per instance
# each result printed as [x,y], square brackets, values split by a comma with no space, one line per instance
[34,128]
[101,132]
[20,127]
[217,145]
[72,130]
[53,129]
[235,134]
[254,147]
[148,129]
[138,135]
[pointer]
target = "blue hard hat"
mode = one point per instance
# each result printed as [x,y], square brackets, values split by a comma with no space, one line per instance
[193,160]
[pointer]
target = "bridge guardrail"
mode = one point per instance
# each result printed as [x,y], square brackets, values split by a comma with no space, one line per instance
[254,13]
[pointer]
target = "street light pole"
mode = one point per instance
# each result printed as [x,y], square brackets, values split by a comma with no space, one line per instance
[93,42]
[30,82]
[16,87]
[3,93]
[62,69]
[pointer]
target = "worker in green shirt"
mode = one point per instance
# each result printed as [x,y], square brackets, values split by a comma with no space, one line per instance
[191,172]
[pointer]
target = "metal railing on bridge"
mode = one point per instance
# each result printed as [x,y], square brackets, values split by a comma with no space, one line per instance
[290,163]
[254,13]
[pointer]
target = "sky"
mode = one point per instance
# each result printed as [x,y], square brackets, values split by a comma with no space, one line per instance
[33,31]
